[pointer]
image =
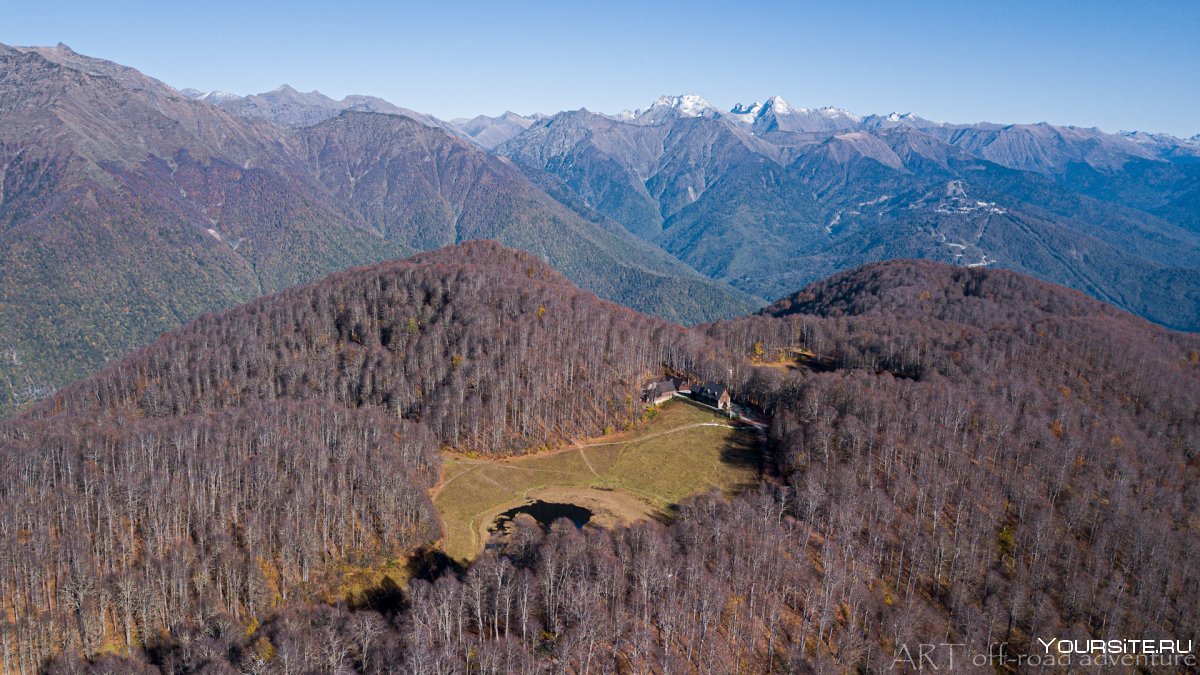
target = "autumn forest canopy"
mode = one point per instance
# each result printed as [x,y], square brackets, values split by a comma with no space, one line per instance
[958,455]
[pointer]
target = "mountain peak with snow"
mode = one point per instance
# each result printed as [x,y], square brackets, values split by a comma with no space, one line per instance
[776,114]
[777,105]
[216,95]
[688,105]
[746,114]
[665,107]
[743,109]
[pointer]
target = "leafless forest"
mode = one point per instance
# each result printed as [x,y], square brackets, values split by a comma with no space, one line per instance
[958,455]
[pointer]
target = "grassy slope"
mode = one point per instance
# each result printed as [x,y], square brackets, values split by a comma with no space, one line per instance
[622,478]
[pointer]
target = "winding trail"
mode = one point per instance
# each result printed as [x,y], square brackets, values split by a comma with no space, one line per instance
[584,457]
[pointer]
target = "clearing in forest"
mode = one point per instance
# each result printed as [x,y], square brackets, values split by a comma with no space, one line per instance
[680,451]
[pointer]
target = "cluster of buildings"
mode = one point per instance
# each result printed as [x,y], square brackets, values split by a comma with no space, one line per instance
[711,394]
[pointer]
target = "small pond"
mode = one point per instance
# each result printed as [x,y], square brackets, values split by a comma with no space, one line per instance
[545,513]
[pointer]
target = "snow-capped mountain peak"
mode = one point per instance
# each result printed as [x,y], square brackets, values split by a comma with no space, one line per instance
[839,113]
[777,105]
[777,114]
[688,105]
[746,114]
[217,95]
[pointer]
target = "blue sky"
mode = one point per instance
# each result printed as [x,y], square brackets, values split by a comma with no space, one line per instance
[1115,65]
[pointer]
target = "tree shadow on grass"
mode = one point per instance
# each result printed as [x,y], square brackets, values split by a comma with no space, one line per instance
[668,514]
[428,563]
[746,449]
[389,597]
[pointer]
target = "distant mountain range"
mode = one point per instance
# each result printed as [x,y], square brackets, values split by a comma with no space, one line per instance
[295,109]
[129,207]
[1041,147]
[769,197]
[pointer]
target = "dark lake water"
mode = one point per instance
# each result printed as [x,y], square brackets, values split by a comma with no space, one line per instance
[545,513]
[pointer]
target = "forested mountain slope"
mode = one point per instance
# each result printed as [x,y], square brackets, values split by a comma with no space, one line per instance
[428,189]
[213,453]
[128,208]
[489,347]
[1001,460]
[958,455]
